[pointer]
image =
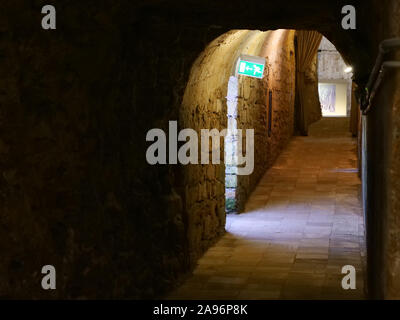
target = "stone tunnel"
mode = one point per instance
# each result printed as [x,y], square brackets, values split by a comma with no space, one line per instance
[78,193]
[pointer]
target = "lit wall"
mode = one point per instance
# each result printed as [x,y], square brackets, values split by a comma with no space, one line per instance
[340,109]
[331,68]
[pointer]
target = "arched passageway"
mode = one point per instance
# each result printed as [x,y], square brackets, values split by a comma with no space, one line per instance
[76,105]
[302,222]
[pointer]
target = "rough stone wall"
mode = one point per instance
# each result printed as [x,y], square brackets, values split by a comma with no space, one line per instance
[204,107]
[253,106]
[381,162]
[76,189]
[330,63]
[389,100]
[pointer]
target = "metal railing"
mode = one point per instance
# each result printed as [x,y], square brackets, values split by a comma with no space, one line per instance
[378,72]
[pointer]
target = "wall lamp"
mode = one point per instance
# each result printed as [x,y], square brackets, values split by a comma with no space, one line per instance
[348,69]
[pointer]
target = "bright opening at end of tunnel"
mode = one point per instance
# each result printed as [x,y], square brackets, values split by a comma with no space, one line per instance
[334,81]
[298,212]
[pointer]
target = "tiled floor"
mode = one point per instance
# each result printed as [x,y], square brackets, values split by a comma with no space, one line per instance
[301,225]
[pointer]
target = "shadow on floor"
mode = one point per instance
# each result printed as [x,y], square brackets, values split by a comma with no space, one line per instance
[301,225]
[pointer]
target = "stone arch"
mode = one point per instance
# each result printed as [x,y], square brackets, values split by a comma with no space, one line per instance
[205,106]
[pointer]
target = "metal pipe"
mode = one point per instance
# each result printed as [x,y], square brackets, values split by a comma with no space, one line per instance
[384,47]
[386,65]
[378,72]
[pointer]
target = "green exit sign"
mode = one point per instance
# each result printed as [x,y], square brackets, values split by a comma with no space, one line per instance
[251,66]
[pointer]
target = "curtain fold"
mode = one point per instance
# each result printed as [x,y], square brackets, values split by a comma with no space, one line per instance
[307,48]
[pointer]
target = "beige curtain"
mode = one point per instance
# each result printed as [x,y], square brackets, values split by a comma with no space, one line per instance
[307,48]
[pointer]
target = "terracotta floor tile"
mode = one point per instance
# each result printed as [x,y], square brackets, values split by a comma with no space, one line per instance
[301,225]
